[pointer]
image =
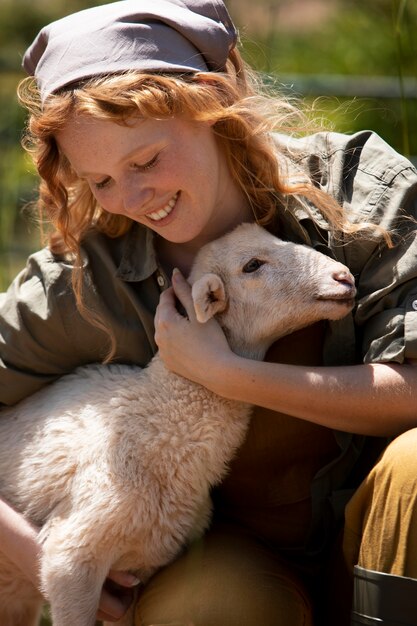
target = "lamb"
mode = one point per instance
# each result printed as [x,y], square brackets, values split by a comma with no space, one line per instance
[115,463]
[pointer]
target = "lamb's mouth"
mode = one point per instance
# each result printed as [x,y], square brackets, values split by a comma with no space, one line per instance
[156,216]
[350,302]
[342,299]
[344,293]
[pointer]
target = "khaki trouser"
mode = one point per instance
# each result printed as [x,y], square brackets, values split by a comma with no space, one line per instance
[227,579]
[381,518]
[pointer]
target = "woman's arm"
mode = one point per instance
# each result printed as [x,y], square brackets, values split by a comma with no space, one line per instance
[19,541]
[371,399]
[377,399]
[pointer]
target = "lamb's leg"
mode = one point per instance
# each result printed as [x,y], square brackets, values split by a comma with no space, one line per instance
[73,591]
[73,573]
[20,603]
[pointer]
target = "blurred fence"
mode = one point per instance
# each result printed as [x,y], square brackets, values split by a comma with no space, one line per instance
[352,86]
[364,89]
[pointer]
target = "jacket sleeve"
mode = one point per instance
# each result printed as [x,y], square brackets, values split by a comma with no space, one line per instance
[42,335]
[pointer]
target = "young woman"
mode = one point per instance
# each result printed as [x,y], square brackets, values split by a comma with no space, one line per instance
[151,138]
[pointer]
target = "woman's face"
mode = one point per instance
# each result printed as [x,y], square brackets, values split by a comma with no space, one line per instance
[169,175]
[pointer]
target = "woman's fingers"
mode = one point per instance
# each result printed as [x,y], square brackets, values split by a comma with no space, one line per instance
[175,307]
[182,291]
[125,579]
[111,609]
[115,598]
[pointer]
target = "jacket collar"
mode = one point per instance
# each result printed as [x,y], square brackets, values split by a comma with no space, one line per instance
[138,260]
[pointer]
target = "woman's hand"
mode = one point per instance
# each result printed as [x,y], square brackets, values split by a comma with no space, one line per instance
[116,596]
[186,346]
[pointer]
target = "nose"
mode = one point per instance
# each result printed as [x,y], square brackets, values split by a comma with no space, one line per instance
[342,275]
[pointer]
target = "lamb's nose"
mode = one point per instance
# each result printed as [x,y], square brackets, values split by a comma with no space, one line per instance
[342,275]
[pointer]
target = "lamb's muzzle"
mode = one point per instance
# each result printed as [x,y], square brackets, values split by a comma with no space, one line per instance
[343,286]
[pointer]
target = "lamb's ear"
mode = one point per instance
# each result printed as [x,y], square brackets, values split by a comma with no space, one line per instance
[209,296]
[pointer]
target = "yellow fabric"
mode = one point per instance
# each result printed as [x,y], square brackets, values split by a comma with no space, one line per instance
[381,518]
[228,578]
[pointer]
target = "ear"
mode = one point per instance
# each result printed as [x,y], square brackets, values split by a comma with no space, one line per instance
[209,296]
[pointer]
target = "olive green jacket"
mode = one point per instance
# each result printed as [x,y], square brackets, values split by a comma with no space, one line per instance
[42,335]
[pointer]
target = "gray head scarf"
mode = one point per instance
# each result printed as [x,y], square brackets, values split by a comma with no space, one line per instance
[149,35]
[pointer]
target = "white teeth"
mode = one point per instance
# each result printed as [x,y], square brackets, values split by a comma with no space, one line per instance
[159,215]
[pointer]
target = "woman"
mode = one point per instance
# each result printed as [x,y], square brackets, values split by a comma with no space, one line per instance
[151,139]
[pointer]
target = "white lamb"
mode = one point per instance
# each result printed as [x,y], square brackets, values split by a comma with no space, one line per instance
[116,462]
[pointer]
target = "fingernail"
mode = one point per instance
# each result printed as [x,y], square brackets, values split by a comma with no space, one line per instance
[133,580]
[176,272]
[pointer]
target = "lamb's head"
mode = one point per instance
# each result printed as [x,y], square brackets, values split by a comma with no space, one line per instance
[261,288]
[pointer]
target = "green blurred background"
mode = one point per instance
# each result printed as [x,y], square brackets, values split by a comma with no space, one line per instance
[356,60]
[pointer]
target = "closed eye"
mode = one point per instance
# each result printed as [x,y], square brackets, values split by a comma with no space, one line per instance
[147,166]
[102,183]
[252,265]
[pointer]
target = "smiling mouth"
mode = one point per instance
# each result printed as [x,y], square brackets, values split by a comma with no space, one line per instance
[156,216]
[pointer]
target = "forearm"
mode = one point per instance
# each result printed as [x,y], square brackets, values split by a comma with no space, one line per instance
[18,540]
[375,399]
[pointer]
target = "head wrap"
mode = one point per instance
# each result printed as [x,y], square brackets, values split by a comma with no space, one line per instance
[148,35]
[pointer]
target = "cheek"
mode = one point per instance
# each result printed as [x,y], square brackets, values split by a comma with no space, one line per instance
[107,200]
[195,166]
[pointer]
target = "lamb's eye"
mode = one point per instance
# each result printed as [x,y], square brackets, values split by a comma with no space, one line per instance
[252,266]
